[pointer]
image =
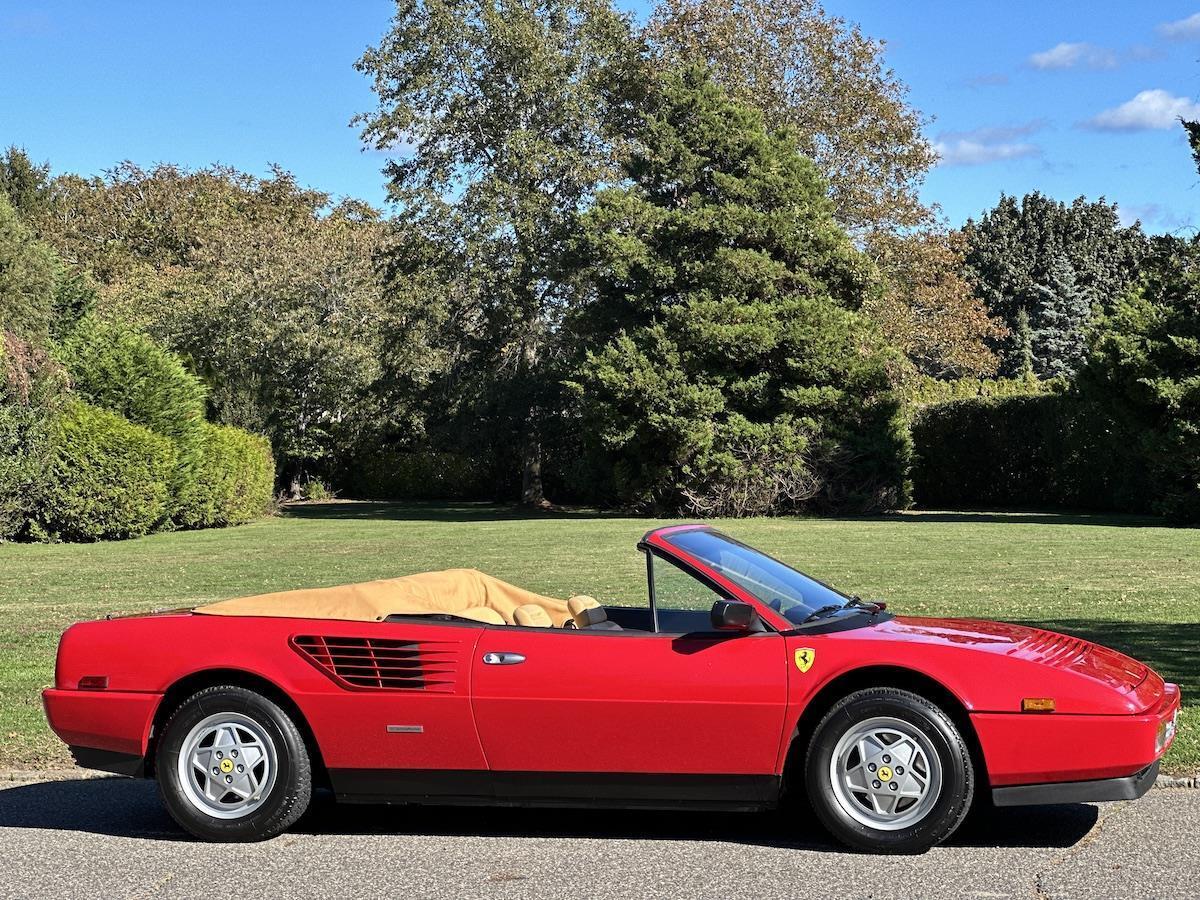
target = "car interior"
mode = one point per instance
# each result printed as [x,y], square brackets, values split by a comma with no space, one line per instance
[465,594]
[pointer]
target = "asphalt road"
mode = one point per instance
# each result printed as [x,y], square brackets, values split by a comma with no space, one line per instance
[110,838]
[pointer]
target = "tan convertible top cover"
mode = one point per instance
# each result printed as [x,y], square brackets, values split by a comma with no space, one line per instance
[451,591]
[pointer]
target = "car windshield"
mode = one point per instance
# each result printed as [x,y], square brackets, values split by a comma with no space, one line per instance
[781,587]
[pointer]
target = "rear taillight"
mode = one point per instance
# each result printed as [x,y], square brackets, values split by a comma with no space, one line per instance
[1166,731]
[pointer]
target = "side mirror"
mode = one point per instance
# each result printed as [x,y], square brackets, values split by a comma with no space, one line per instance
[729,615]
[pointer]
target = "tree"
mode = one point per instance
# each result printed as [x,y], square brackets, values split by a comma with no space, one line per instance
[32,280]
[825,79]
[723,365]
[26,185]
[29,276]
[497,112]
[1142,370]
[1023,335]
[828,82]
[268,290]
[1062,311]
[927,308]
[1059,263]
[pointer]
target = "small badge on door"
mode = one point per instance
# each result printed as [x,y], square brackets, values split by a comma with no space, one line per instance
[804,658]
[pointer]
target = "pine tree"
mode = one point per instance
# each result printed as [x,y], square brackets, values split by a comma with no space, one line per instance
[1023,335]
[1061,312]
[727,368]
[1056,261]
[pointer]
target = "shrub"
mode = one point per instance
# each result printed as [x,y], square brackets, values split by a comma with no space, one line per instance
[107,476]
[1042,451]
[232,480]
[125,372]
[418,475]
[317,491]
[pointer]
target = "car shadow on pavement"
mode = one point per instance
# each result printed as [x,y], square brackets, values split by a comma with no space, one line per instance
[125,807]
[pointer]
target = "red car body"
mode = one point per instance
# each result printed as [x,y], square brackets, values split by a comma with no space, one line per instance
[650,718]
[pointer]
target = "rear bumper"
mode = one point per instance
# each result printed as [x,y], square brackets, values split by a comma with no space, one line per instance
[131,764]
[1105,789]
[117,722]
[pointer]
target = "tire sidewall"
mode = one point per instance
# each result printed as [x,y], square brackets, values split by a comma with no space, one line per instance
[292,778]
[957,772]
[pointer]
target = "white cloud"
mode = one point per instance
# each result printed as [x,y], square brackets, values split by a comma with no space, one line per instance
[1148,111]
[1070,56]
[975,153]
[985,145]
[1181,30]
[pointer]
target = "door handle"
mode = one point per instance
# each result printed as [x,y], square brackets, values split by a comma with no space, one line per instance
[502,659]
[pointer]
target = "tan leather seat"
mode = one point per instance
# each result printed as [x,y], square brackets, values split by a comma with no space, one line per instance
[532,616]
[482,614]
[586,611]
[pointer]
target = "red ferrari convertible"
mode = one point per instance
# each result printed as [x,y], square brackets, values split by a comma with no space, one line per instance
[739,682]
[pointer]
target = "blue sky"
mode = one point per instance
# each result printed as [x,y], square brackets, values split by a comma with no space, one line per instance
[1064,97]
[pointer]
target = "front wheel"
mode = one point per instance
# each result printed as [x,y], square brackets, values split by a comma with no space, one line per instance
[232,766]
[888,771]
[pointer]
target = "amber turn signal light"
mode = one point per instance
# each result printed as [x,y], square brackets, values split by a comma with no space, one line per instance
[1037,704]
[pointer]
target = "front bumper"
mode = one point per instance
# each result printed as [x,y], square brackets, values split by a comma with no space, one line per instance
[1031,749]
[1100,791]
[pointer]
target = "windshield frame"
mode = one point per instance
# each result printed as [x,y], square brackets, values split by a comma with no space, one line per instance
[664,538]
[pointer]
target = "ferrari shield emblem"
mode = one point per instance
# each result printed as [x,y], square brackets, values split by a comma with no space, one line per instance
[804,658]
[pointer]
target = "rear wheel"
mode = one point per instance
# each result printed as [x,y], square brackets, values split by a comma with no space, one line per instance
[888,771]
[232,766]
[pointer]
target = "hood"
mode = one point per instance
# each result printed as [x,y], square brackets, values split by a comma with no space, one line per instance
[1045,650]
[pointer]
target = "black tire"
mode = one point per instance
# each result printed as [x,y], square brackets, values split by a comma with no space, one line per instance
[945,813]
[284,801]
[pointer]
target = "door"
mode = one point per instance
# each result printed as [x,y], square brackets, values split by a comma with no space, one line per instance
[632,701]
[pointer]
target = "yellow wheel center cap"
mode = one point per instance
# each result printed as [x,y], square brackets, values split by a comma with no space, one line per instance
[227,766]
[885,773]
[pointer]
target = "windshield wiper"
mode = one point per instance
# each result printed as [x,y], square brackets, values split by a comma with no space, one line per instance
[832,607]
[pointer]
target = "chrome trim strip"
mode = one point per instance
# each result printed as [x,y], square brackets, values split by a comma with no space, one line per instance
[406,729]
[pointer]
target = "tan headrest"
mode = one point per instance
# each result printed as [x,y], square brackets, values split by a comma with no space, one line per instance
[532,616]
[483,614]
[586,611]
[580,602]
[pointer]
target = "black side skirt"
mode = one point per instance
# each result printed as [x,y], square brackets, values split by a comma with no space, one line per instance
[581,789]
[109,761]
[1128,788]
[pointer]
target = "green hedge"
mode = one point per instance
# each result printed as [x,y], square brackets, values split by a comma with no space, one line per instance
[231,482]
[1038,452]
[126,372]
[925,390]
[108,478]
[404,475]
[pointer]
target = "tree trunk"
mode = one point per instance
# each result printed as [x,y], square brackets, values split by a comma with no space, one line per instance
[531,439]
[295,480]
[531,468]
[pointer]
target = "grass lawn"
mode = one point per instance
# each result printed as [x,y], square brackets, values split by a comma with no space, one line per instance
[1120,581]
